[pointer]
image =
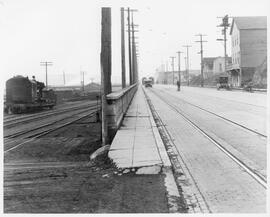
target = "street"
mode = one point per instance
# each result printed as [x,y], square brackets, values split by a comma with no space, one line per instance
[135,107]
[219,140]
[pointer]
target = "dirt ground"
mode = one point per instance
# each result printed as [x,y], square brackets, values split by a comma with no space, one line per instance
[53,175]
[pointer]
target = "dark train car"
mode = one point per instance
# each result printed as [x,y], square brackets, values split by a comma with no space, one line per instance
[24,95]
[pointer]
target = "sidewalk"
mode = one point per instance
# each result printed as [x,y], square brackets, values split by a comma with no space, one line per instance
[137,143]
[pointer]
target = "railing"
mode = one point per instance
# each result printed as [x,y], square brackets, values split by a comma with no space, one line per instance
[118,103]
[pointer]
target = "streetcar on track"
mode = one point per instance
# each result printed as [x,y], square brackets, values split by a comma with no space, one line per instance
[148,82]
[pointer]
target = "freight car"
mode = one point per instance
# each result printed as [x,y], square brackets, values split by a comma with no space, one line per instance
[25,95]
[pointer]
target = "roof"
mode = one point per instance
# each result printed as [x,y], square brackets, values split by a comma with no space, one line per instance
[209,61]
[259,22]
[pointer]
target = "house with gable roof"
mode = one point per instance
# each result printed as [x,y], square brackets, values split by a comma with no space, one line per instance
[248,47]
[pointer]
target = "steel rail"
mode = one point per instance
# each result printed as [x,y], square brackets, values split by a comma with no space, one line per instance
[14,135]
[219,116]
[45,132]
[259,178]
[25,119]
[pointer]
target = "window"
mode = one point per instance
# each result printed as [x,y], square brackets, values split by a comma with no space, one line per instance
[220,67]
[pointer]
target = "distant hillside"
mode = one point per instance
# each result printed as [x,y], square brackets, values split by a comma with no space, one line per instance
[260,75]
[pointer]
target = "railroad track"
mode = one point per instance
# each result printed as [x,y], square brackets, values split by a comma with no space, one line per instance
[47,128]
[219,116]
[253,173]
[26,119]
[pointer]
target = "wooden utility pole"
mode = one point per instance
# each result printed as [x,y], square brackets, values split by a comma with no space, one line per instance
[46,64]
[123,59]
[201,52]
[187,64]
[134,62]
[179,68]
[64,78]
[173,68]
[132,50]
[225,24]
[82,74]
[105,62]
[129,50]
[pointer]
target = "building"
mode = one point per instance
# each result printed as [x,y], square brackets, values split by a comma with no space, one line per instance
[214,65]
[167,77]
[208,63]
[248,46]
[219,64]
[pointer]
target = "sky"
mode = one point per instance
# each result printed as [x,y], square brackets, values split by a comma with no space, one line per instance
[68,32]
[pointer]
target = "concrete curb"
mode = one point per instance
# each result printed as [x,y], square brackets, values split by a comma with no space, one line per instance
[170,182]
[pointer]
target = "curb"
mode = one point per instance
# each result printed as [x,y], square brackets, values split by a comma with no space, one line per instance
[170,182]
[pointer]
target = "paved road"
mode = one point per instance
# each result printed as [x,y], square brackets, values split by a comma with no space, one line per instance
[235,120]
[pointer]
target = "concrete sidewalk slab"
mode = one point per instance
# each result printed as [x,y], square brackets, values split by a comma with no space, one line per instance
[135,144]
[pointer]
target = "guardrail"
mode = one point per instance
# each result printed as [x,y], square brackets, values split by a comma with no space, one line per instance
[118,103]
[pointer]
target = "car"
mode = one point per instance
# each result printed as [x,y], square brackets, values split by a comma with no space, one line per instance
[223,82]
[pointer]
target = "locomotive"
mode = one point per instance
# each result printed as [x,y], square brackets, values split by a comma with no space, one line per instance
[25,95]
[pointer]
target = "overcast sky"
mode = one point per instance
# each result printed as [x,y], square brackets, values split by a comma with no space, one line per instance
[67,33]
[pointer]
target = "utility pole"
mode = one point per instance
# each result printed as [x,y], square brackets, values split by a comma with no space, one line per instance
[173,68]
[201,52]
[179,68]
[46,64]
[64,78]
[133,51]
[187,66]
[82,74]
[105,62]
[123,59]
[129,50]
[132,48]
[225,24]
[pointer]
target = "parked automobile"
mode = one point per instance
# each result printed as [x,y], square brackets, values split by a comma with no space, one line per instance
[223,82]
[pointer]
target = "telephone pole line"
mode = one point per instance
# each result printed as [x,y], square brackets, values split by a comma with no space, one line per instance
[179,67]
[187,63]
[46,64]
[201,52]
[173,67]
